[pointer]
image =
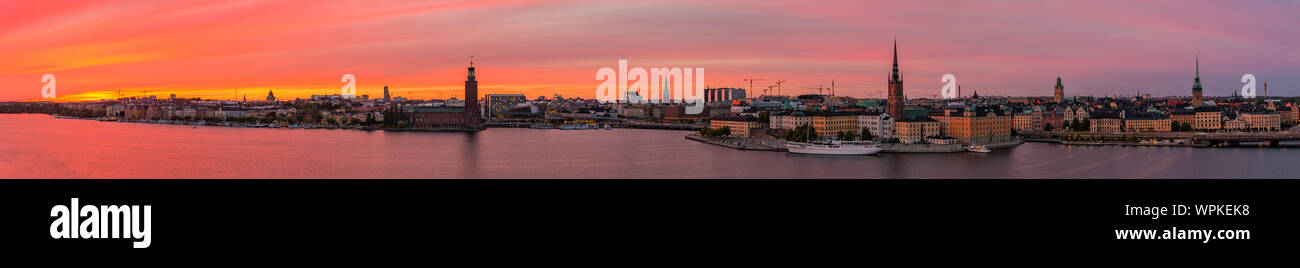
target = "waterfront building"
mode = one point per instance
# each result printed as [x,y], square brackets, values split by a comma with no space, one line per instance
[897,102]
[1075,113]
[635,111]
[440,117]
[1105,123]
[499,105]
[830,123]
[915,130]
[976,126]
[1262,120]
[1027,121]
[1147,124]
[1234,124]
[1183,117]
[789,121]
[1196,87]
[1059,94]
[881,125]
[741,126]
[1208,119]
[447,116]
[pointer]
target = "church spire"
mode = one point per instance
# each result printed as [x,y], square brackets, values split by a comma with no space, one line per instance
[893,75]
[1197,86]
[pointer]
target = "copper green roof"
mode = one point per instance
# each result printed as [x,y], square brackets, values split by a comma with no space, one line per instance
[1197,86]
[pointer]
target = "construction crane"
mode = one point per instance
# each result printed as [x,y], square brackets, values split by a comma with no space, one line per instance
[769,88]
[820,89]
[778,86]
[751,86]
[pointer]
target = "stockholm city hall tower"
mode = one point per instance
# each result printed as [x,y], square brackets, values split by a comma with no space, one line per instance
[896,99]
[471,98]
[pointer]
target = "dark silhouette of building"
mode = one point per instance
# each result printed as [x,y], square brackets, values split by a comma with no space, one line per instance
[270,96]
[723,94]
[896,99]
[387,98]
[471,99]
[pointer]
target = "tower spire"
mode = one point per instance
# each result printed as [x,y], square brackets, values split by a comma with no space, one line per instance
[893,75]
[1197,86]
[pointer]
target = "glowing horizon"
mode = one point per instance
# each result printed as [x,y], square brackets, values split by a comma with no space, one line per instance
[208,49]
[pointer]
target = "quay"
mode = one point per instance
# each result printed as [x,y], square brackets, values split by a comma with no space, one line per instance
[740,143]
[612,123]
[1175,139]
[776,145]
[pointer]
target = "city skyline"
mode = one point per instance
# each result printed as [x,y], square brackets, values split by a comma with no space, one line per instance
[297,49]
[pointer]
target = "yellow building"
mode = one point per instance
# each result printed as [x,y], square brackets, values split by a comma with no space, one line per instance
[1235,124]
[1286,115]
[741,126]
[1208,120]
[830,123]
[1182,117]
[915,130]
[1106,125]
[976,126]
[1148,124]
[789,121]
[1027,121]
[1262,121]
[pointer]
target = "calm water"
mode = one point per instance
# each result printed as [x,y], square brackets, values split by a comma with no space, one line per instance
[40,146]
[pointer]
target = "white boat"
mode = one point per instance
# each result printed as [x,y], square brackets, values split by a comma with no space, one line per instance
[833,148]
[608,127]
[978,149]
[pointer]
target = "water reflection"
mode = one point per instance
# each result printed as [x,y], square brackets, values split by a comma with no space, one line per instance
[38,146]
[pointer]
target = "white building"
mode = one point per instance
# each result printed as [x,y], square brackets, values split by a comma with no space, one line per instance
[788,122]
[881,125]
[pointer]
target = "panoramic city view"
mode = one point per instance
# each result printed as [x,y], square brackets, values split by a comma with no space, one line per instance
[645,130]
[840,109]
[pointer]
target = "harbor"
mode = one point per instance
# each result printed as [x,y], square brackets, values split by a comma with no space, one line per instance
[158,150]
[777,145]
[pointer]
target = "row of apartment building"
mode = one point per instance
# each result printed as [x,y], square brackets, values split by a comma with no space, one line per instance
[964,125]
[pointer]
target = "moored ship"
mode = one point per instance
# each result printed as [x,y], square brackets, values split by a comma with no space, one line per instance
[833,148]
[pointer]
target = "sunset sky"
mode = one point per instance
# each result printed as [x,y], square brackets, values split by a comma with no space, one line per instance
[209,49]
